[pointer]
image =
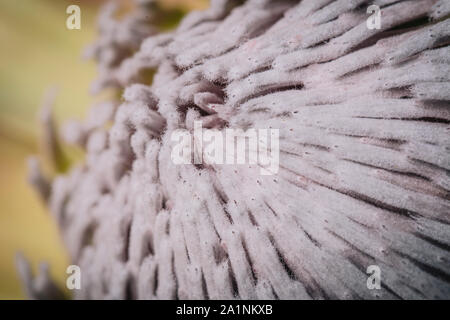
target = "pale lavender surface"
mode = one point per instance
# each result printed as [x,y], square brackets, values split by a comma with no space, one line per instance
[364,163]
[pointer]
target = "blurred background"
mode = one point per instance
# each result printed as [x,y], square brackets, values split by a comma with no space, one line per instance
[38,52]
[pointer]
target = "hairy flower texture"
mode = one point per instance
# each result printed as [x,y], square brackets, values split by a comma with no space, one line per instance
[119,39]
[364,156]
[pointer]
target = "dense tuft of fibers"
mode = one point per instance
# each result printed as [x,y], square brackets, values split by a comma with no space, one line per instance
[364,176]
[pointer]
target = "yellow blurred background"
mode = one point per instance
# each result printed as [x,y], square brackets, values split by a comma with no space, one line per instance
[38,52]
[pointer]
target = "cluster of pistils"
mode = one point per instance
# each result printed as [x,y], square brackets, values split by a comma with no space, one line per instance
[364,162]
[119,38]
[40,287]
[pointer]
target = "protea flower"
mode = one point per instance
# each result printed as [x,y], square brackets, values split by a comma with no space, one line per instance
[363,118]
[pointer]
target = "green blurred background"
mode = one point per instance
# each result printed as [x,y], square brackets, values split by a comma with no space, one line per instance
[37,52]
